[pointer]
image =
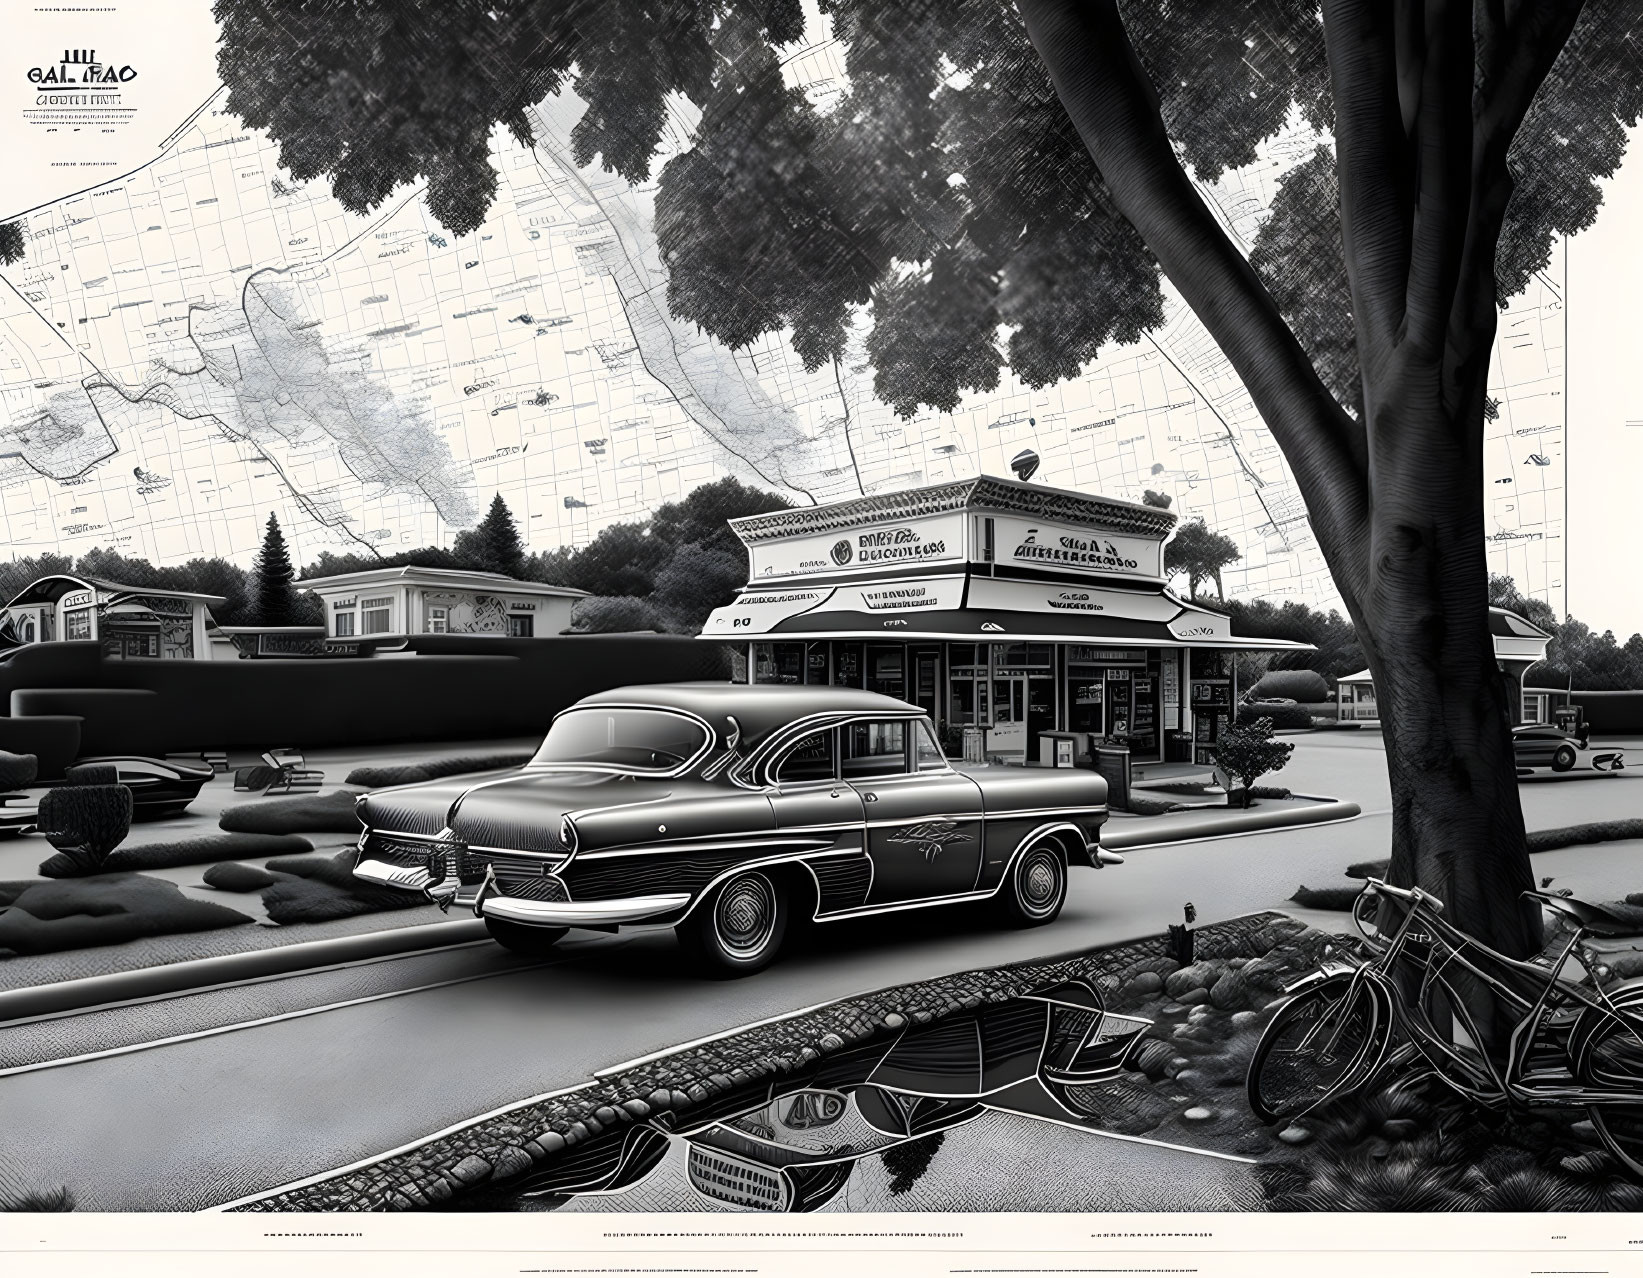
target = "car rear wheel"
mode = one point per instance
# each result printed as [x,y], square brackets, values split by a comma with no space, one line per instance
[1563,758]
[1037,886]
[739,928]
[523,938]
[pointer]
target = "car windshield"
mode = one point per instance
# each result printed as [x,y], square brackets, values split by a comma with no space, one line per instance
[630,739]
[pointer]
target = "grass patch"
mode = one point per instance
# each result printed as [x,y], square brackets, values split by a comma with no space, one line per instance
[316,889]
[231,876]
[104,909]
[1330,898]
[202,851]
[433,769]
[331,813]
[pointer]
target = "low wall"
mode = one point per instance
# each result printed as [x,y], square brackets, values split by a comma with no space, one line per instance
[1611,714]
[449,687]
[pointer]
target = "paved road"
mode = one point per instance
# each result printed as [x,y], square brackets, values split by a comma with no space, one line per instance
[212,1117]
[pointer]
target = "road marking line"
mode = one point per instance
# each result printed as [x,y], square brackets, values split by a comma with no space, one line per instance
[243,981]
[263,1020]
[1138,1140]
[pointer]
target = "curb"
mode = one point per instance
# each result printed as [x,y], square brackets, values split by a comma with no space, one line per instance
[226,969]
[1232,823]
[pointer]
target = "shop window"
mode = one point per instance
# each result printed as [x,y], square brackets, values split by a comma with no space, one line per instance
[376,616]
[77,625]
[847,665]
[438,621]
[815,663]
[875,750]
[521,626]
[811,760]
[342,624]
[885,671]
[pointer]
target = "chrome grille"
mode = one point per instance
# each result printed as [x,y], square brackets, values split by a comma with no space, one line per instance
[732,1181]
[540,888]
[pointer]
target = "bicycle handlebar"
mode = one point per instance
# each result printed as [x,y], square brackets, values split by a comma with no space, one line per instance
[1377,886]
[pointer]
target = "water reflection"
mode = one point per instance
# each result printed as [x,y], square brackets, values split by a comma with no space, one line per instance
[1055,1054]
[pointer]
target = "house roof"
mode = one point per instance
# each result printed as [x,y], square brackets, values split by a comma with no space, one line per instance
[450,578]
[52,588]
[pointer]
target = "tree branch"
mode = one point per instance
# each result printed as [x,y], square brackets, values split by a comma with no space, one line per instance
[1106,93]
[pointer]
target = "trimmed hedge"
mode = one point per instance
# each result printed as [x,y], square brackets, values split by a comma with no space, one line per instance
[1282,714]
[17,770]
[434,769]
[105,909]
[84,823]
[1331,898]
[1297,685]
[331,813]
[203,851]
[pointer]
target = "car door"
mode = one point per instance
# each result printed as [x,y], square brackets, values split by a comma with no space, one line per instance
[923,819]
[809,796]
[1533,748]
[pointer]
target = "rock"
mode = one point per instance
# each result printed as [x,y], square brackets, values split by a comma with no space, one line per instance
[1190,1076]
[438,1189]
[894,1021]
[830,1043]
[578,1132]
[1146,982]
[678,1100]
[1198,1113]
[1171,1009]
[636,1107]
[721,1082]
[1295,1134]
[1400,1128]
[606,1115]
[698,1093]
[1199,1014]
[808,1054]
[1237,961]
[413,1195]
[1583,1129]
[1594,1162]
[399,1202]
[1198,976]
[1176,1065]
[1193,997]
[470,1171]
[1230,991]
[1243,1020]
[1627,965]
[510,1162]
[592,1125]
[1152,1057]
[661,1098]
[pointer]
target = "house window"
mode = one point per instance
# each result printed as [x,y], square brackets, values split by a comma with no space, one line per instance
[438,621]
[77,625]
[521,626]
[342,624]
[376,616]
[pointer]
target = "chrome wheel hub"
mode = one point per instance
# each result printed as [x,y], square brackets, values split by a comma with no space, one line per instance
[744,916]
[1039,880]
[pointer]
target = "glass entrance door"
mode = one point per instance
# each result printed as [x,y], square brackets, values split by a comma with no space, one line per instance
[1008,738]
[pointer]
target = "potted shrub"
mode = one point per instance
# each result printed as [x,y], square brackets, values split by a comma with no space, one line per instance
[1246,752]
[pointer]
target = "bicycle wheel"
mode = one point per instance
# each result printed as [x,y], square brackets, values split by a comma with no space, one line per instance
[1613,1062]
[1321,1044]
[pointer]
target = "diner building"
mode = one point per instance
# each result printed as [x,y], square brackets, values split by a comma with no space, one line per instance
[1012,611]
[393,603]
[128,621]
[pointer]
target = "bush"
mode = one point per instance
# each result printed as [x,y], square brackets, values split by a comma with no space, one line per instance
[1333,898]
[433,769]
[1282,714]
[1296,685]
[202,851]
[17,770]
[1246,752]
[231,876]
[324,888]
[1141,805]
[1269,792]
[84,823]
[91,774]
[615,614]
[105,909]
[331,813]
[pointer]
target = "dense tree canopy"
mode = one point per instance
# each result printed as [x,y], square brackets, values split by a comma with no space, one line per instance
[493,544]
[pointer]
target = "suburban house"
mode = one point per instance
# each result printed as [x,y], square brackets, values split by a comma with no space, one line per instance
[1519,644]
[128,621]
[1036,618]
[392,603]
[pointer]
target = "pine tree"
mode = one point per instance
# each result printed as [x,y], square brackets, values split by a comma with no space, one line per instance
[493,544]
[276,600]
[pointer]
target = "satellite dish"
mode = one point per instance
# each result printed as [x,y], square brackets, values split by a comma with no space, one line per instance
[1025,464]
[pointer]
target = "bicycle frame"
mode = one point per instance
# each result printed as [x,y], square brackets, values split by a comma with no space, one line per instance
[1554,1018]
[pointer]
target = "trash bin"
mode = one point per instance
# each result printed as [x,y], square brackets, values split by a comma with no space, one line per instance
[1057,749]
[975,749]
[1113,763]
[1178,747]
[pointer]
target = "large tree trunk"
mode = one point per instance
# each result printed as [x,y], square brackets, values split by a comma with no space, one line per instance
[1427,97]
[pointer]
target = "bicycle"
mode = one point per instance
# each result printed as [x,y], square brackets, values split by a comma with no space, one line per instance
[1573,1044]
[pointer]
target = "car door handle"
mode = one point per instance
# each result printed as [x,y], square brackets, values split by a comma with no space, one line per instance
[870,798]
[836,793]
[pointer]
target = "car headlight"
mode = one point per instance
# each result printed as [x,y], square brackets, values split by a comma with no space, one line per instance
[567,833]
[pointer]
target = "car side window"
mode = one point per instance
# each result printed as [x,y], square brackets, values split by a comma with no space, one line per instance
[810,760]
[875,750]
[928,756]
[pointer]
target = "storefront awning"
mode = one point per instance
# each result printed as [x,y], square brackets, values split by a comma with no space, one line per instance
[982,610]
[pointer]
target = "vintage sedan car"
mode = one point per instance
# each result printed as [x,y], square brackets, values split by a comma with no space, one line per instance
[1545,745]
[728,811]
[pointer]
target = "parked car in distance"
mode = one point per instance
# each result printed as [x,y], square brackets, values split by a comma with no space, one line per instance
[1545,745]
[730,812]
[159,787]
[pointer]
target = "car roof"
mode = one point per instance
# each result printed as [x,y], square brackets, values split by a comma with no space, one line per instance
[759,708]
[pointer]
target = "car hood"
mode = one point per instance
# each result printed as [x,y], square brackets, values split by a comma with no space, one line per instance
[511,810]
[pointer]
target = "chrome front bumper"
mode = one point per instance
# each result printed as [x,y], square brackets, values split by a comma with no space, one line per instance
[633,909]
[414,878]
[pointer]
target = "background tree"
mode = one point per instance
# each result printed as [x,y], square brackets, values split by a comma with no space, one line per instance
[607,614]
[275,599]
[493,544]
[980,179]
[11,243]
[1200,553]
[1246,752]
